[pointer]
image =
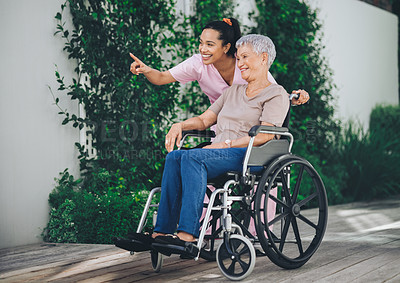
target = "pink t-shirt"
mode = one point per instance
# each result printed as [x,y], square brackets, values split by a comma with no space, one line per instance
[210,80]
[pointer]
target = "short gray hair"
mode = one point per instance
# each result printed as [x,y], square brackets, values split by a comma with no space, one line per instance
[260,44]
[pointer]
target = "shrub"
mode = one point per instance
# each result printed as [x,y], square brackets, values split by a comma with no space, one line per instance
[93,213]
[372,166]
[386,120]
[370,158]
[61,226]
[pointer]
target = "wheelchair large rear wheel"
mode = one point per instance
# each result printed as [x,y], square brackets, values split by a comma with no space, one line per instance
[294,233]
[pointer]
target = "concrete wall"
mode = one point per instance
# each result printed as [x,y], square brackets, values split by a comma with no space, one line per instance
[34,147]
[361,45]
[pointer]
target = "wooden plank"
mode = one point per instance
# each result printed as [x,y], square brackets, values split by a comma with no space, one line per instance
[41,271]
[344,266]
[390,269]
[364,268]
[395,279]
[48,254]
[140,269]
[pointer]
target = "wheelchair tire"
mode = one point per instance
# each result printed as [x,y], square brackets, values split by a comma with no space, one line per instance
[240,263]
[296,230]
[156,260]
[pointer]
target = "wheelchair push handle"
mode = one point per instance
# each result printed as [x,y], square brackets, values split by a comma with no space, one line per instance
[294,95]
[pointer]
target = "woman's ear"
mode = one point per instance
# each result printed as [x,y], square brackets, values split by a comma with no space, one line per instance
[227,47]
[265,58]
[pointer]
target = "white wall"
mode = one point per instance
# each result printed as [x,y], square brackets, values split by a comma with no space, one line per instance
[34,147]
[361,46]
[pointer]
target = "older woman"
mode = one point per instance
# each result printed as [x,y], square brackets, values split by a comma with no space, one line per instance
[238,109]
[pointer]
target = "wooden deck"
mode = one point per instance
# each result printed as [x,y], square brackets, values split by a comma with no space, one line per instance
[362,244]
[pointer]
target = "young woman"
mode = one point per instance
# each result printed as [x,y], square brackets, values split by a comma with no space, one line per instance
[215,67]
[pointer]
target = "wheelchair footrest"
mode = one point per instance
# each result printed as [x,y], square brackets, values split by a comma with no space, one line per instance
[188,251]
[131,245]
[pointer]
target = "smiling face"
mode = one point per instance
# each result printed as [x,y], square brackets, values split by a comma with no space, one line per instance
[211,47]
[252,65]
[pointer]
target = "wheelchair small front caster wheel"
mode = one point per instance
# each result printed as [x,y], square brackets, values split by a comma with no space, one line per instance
[239,262]
[156,260]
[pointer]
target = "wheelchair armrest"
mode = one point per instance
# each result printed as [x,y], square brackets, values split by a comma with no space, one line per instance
[256,129]
[280,146]
[201,134]
[196,133]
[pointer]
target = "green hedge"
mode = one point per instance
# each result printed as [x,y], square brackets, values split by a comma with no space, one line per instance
[386,119]
[371,159]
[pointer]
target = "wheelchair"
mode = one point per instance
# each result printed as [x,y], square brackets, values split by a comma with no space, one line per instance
[285,198]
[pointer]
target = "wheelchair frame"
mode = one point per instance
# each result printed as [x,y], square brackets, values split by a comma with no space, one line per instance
[277,172]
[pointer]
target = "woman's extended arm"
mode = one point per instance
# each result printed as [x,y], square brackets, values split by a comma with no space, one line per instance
[154,76]
[202,122]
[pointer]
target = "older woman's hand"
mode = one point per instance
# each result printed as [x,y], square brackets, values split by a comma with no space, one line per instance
[174,134]
[303,97]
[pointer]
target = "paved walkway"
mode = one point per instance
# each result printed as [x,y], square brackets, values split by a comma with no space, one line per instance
[362,244]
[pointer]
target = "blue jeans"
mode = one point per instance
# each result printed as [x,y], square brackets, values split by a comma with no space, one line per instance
[184,185]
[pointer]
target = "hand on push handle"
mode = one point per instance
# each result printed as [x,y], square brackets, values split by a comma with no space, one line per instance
[303,97]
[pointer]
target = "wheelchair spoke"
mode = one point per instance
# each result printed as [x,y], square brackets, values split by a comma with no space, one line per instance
[284,233]
[297,235]
[297,186]
[306,220]
[243,264]
[278,201]
[244,250]
[278,218]
[231,268]
[285,188]
[274,237]
[306,200]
